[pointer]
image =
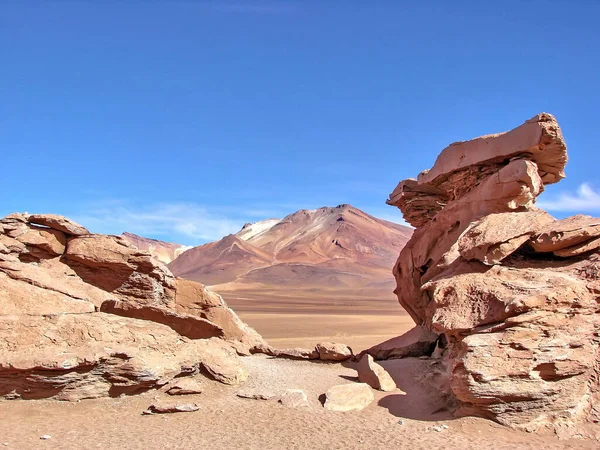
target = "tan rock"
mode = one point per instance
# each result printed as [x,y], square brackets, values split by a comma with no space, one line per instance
[418,341]
[169,408]
[58,223]
[349,397]
[497,236]
[185,386]
[566,233]
[256,394]
[511,291]
[186,325]
[43,243]
[296,353]
[332,351]
[374,375]
[76,356]
[54,344]
[221,362]
[294,398]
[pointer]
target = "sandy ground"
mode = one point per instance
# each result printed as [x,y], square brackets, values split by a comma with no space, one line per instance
[302,318]
[396,420]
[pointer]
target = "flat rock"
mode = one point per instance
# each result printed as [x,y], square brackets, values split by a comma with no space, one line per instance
[497,236]
[349,397]
[565,233]
[58,223]
[185,386]
[171,408]
[296,353]
[418,341]
[187,325]
[374,375]
[256,394]
[333,351]
[294,398]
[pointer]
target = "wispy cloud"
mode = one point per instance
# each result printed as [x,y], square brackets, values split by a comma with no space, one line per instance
[186,223]
[586,199]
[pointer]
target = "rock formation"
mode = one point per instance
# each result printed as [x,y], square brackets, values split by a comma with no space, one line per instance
[85,315]
[513,291]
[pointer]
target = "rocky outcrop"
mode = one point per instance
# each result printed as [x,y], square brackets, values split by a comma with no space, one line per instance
[512,291]
[85,315]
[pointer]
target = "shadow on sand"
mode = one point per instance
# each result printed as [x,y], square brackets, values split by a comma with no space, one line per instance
[415,399]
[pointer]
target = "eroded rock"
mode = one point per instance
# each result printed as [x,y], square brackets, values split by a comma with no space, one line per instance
[512,291]
[374,375]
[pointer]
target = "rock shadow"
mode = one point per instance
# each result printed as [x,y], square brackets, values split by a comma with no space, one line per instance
[420,399]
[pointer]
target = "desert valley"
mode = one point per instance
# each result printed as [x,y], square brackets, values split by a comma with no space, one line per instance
[477,326]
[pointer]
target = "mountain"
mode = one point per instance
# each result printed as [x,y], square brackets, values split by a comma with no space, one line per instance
[323,249]
[163,251]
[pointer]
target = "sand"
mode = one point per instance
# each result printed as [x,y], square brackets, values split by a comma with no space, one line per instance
[302,318]
[395,420]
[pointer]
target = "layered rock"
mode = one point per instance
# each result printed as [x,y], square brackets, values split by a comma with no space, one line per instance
[62,291]
[512,291]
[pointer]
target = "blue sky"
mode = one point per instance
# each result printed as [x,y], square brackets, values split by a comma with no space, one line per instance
[184,120]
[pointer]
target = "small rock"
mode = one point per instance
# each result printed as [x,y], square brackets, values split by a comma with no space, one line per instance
[44,437]
[256,395]
[401,422]
[374,375]
[297,353]
[171,408]
[186,386]
[439,428]
[294,398]
[332,351]
[348,397]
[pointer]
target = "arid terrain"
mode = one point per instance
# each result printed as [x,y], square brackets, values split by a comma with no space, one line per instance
[314,275]
[411,417]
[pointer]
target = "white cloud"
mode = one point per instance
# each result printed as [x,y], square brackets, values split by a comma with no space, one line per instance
[586,199]
[186,223]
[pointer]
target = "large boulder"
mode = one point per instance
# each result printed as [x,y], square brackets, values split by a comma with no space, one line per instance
[62,291]
[76,356]
[511,291]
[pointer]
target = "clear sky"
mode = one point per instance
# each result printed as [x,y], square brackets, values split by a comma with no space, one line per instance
[182,120]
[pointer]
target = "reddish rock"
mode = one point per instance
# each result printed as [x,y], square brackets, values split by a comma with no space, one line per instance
[374,375]
[58,223]
[333,351]
[418,341]
[185,386]
[54,344]
[511,290]
[296,353]
[186,325]
[170,408]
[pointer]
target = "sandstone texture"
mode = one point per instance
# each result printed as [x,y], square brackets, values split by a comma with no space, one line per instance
[333,351]
[512,292]
[374,375]
[85,315]
[294,398]
[348,397]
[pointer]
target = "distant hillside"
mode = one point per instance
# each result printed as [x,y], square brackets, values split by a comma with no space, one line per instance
[325,248]
[163,251]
